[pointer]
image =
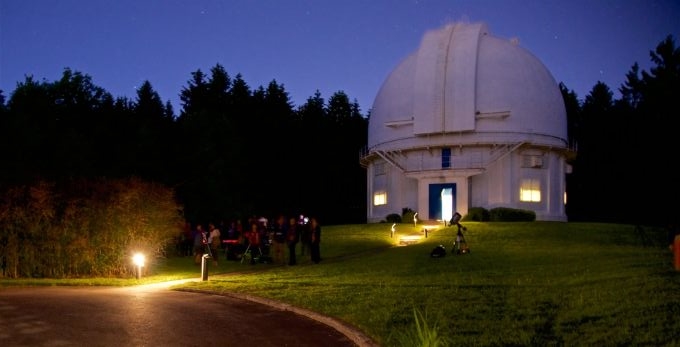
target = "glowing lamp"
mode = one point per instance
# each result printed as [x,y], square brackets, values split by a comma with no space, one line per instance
[138,259]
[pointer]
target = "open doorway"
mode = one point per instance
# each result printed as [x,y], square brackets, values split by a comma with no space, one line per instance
[442,201]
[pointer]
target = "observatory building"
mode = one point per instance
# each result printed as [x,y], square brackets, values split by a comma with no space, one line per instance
[467,120]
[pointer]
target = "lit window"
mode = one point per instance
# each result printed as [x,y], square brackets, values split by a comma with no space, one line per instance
[379,198]
[530,190]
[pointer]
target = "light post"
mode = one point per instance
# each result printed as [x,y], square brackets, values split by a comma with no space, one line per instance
[138,259]
[204,266]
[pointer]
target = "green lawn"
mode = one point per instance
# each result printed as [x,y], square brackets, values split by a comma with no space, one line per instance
[538,284]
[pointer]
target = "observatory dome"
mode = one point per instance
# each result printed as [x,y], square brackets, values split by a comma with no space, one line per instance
[462,81]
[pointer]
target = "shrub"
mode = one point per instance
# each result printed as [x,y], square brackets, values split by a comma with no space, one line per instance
[407,214]
[423,333]
[85,227]
[477,214]
[506,214]
[393,218]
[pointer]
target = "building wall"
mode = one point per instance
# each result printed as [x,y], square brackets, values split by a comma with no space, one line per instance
[498,185]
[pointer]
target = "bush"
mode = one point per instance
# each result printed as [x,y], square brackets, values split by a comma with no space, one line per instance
[477,214]
[407,214]
[85,227]
[393,218]
[505,214]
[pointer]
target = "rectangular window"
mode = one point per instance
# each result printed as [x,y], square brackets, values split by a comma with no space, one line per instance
[380,198]
[379,169]
[446,158]
[532,161]
[530,190]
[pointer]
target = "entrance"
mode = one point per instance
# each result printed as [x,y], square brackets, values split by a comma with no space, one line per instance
[442,201]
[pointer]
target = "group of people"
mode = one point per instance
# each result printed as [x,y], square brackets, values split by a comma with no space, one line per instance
[260,239]
[197,241]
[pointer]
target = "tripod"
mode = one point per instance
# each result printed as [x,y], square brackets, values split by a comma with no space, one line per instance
[459,244]
[252,258]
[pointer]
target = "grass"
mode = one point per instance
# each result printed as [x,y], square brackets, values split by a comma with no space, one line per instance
[538,284]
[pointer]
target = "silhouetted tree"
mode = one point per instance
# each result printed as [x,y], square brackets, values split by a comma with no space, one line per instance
[655,132]
[279,149]
[623,172]
[2,101]
[210,145]
[347,134]
[313,111]
[593,166]
[151,127]
[55,125]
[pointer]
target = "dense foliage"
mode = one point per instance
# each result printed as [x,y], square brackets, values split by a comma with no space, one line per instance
[84,227]
[499,214]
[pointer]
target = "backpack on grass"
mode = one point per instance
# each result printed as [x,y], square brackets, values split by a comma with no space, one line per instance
[438,252]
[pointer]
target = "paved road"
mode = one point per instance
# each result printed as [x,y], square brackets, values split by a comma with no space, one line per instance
[153,315]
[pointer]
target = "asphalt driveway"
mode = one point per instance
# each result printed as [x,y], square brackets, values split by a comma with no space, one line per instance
[154,315]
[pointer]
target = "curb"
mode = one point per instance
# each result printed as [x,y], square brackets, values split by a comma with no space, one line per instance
[352,333]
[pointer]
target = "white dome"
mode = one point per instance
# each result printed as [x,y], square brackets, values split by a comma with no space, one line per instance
[465,83]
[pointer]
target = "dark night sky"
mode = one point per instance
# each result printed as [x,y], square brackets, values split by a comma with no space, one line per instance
[308,45]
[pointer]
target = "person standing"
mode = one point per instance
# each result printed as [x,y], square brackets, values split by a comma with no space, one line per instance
[187,243]
[305,238]
[315,240]
[200,241]
[278,248]
[215,241]
[254,242]
[292,238]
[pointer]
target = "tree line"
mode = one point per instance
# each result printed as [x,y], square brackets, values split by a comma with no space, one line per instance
[233,151]
[625,167]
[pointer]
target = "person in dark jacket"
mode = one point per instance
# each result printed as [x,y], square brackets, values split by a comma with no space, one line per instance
[278,248]
[292,238]
[305,236]
[315,239]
